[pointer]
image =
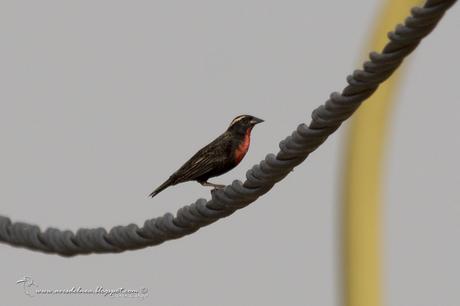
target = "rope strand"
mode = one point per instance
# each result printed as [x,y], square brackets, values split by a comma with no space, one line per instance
[294,149]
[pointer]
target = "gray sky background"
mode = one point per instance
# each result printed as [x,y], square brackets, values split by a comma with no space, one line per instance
[103,100]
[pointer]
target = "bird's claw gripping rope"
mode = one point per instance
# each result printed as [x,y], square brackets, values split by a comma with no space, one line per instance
[260,179]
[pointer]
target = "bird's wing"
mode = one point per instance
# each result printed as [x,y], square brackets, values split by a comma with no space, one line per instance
[204,161]
[198,166]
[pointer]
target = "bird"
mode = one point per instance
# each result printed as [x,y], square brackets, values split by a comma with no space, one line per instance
[218,157]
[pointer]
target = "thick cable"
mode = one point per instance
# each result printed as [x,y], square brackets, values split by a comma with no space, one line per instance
[326,119]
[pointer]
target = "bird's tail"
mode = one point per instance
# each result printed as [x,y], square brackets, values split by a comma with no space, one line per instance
[162,187]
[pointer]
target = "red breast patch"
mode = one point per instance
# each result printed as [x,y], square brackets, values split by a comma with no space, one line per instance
[243,147]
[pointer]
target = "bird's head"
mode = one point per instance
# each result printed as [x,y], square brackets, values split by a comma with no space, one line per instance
[243,123]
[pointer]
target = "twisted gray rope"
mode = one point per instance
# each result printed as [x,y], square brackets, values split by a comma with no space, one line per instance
[260,179]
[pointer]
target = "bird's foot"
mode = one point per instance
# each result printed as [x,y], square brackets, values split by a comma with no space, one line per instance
[216,189]
[216,186]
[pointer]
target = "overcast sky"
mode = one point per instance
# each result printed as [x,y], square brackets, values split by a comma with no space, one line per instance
[102,100]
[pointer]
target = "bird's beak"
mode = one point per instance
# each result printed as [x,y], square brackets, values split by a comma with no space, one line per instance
[256,120]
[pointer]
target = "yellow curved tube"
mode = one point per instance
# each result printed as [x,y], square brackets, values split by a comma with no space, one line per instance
[363,173]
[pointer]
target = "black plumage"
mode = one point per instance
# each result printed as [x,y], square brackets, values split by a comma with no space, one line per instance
[218,157]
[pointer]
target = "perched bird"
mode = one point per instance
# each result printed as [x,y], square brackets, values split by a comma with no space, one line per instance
[218,157]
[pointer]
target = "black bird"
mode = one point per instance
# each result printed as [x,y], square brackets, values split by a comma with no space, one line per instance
[220,156]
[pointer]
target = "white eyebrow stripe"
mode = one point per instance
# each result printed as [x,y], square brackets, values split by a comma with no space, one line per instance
[237,119]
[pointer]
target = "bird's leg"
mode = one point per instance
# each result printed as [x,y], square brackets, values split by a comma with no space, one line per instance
[216,186]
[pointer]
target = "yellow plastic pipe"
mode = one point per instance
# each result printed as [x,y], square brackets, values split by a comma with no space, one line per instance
[363,173]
